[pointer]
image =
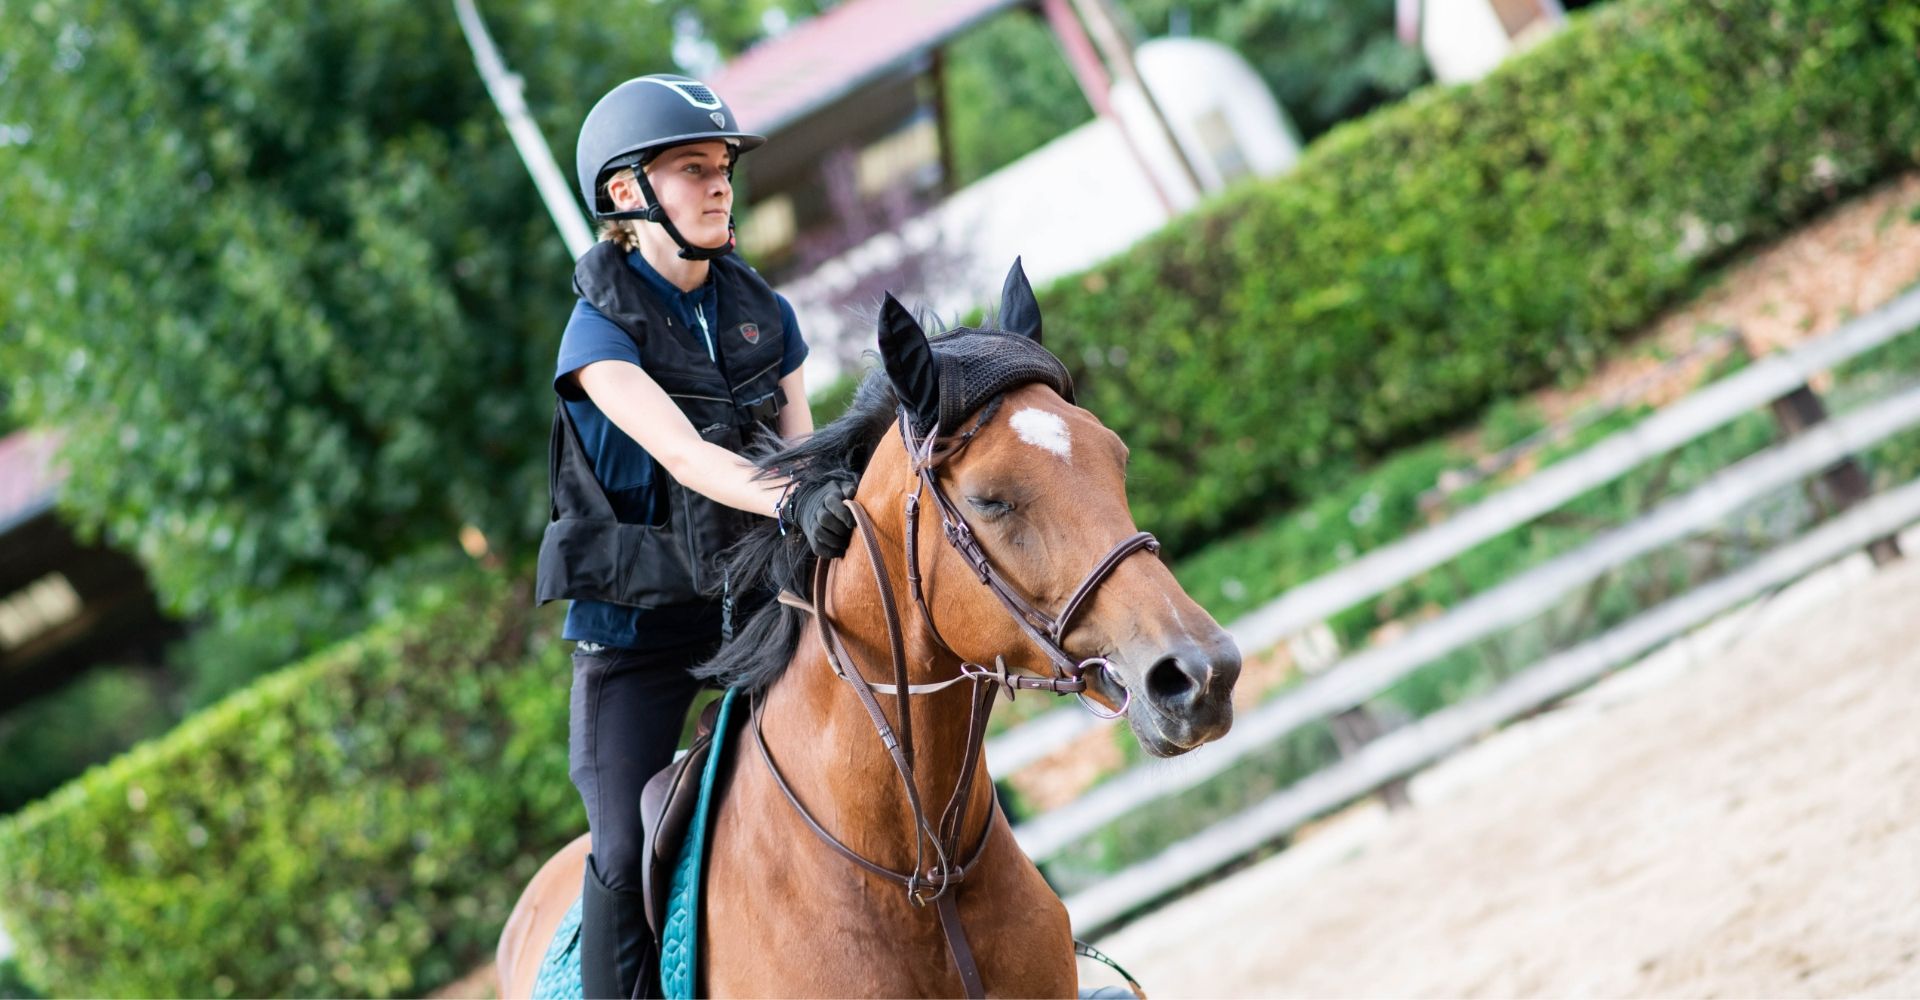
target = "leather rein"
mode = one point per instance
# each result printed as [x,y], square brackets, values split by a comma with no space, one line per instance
[933,883]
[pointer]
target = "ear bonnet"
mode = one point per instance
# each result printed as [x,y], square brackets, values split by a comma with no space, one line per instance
[977,365]
[948,378]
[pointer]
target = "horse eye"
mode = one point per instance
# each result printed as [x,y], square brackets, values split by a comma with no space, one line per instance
[991,508]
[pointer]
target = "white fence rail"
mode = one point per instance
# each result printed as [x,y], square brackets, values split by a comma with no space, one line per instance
[1364,674]
[1407,749]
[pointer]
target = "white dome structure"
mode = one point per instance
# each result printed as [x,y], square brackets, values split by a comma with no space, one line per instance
[1219,110]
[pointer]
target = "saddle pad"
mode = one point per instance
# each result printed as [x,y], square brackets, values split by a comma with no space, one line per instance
[559,976]
[680,941]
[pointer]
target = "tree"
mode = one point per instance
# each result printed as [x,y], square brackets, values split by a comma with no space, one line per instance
[1326,60]
[277,272]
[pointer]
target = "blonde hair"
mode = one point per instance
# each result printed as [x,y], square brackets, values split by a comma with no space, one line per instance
[623,232]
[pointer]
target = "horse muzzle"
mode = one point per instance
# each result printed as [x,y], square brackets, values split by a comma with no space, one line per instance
[1183,697]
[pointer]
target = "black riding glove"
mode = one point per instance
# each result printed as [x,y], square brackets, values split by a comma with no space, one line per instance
[820,512]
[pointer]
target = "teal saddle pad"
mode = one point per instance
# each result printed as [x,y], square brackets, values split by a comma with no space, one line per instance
[559,977]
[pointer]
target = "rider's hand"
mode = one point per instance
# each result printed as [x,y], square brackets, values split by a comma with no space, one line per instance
[820,512]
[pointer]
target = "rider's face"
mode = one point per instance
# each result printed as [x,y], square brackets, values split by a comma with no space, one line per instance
[692,184]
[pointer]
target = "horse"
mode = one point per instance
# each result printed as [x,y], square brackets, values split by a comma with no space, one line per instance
[984,494]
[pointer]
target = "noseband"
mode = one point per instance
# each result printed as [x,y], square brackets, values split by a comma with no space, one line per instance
[931,883]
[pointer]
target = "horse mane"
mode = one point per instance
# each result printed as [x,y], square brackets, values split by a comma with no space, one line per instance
[764,561]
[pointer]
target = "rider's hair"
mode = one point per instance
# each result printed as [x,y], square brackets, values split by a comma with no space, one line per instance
[624,232]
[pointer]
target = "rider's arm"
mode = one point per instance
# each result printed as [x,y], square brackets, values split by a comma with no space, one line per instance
[796,418]
[639,407]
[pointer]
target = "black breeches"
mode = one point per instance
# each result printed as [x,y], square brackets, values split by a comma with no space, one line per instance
[628,708]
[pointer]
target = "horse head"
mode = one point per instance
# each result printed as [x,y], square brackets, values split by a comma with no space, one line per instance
[1031,556]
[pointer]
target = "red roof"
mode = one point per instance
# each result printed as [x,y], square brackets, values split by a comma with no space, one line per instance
[775,83]
[28,478]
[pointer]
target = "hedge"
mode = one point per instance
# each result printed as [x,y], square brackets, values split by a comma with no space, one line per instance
[1474,242]
[355,825]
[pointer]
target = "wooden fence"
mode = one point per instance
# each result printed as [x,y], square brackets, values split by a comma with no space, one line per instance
[1359,676]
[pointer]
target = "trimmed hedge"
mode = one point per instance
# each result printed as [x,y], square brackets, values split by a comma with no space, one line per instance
[1474,242]
[356,825]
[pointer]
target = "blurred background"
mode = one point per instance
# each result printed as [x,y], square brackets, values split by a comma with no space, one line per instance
[279,301]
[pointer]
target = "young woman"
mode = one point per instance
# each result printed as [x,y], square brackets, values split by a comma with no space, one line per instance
[676,356]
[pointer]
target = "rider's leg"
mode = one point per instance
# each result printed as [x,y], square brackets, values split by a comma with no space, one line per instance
[627,710]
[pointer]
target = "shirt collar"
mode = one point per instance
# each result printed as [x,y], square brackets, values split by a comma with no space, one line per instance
[683,301]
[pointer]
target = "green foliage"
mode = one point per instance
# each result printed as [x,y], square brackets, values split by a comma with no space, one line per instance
[51,739]
[233,648]
[356,825]
[279,274]
[1472,243]
[14,986]
[1008,92]
[1325,60]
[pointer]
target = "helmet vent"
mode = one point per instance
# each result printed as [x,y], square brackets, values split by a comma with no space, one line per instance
[693,91]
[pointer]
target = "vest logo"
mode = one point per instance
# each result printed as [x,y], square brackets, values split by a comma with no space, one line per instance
[750,332]
[719,119]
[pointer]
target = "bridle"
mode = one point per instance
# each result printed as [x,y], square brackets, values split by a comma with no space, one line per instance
[932,883]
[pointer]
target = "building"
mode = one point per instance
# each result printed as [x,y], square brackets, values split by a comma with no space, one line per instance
[852,100]
[65,605]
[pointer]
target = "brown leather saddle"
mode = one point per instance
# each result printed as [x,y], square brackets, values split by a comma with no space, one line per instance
[667,807]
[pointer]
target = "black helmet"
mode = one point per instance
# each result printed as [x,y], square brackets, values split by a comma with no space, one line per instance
[641,117]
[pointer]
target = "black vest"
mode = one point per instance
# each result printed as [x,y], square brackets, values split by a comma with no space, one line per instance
[588,552]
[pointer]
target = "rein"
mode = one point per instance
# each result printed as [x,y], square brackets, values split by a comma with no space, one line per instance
[926,883]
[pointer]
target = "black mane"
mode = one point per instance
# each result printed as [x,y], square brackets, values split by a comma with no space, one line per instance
[765,562]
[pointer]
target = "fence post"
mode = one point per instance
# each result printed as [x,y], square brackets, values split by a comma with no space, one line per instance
[1315,650]
[1842,484]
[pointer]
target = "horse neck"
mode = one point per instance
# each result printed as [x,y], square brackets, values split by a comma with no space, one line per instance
[824,739]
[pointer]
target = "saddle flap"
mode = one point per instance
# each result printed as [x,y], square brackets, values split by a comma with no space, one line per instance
[666,807]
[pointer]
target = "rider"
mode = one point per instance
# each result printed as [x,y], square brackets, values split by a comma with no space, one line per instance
[677,355]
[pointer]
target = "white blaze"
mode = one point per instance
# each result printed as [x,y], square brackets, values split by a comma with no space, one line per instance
[1044,430]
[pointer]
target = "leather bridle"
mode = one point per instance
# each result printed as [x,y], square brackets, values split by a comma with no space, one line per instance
[926,883]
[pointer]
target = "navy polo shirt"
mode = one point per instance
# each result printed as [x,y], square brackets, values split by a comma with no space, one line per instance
[625,469]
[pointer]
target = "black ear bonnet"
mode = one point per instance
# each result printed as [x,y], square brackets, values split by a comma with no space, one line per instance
[977,365]
[948,378]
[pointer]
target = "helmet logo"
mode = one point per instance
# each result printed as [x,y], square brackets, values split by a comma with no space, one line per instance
[750,332]
[719,119]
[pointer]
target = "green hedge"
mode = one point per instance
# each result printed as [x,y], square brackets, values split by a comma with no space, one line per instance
[1475,241]
[356,825]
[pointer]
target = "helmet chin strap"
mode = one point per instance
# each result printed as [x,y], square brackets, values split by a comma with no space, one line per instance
[657,214]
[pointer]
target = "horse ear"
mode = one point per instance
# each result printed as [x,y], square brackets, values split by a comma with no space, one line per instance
[1019,310]
[909,361]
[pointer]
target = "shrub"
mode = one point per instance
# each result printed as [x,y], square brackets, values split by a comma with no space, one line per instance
[1474,242]
[355,825]
[51,739]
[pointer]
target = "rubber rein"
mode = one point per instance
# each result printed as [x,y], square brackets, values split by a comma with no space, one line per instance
[935,883]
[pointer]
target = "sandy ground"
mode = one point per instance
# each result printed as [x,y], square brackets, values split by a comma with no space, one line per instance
[1740,824]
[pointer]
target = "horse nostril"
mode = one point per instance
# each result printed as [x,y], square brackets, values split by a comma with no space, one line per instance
[1168,682]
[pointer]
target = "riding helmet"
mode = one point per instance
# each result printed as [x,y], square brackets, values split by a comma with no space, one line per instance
[641,117]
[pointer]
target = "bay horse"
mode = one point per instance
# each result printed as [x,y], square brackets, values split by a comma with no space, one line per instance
[984,495]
